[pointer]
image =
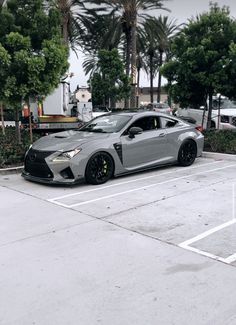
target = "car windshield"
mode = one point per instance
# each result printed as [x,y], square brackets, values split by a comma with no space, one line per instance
[106,124]
[224,104]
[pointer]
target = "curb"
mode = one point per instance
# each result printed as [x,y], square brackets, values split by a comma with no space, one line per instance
[11,170]
[218,156]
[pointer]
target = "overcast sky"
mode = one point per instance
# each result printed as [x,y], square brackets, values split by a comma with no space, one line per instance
[181,10]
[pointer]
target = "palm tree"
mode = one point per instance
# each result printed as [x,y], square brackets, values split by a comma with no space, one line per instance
[132,12]
[149,48]
[75,19]
[166,29]
[106,33]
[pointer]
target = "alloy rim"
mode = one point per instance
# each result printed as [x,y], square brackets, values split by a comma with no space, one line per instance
[100,167]
[188,152]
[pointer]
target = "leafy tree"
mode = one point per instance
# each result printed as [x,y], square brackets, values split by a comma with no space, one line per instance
[36,58]
[109,83]
[203,60]
[5,62]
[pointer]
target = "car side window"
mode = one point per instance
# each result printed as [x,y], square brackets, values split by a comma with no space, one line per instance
[147,123]
[168,123]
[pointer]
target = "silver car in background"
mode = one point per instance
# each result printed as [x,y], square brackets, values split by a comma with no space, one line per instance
[113,145]
[162,108]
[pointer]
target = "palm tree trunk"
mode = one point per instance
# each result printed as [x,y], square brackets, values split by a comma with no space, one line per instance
[159,78]
[151,78]
[133,63]
[138,86]
[169,93]
[127,62]
[2,119]
[65,30]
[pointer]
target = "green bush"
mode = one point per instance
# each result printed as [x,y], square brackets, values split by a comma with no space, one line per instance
[223,141]
[12,153]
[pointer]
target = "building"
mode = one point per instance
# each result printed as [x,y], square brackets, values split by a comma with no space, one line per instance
[145,96]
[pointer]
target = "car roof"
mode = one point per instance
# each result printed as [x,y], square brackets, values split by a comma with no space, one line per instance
[132,113]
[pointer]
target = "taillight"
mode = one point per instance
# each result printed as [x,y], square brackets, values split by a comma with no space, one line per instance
[199,128]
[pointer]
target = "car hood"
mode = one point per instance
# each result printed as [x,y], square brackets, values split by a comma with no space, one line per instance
[67,140]
[225,111]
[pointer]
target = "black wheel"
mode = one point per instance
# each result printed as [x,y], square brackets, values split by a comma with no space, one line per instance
[99,169]
[187,153]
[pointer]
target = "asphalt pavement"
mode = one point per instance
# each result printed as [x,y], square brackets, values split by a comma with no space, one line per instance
[157,247]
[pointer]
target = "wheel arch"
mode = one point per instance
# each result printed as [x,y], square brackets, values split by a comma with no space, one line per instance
[96,153]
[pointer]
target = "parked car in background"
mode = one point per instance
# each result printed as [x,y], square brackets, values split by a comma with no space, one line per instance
[112,145]
[162,108]
[98,111]
[223,114]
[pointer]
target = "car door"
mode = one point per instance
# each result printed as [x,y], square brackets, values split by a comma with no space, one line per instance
[144,149]
[173,129]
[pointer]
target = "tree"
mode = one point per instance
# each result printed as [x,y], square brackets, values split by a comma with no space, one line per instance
[109,83]
[37,59]
[104,35]
[203,59]
[165,29]
[5,62]
[131,12]
[147,41]
[76,18]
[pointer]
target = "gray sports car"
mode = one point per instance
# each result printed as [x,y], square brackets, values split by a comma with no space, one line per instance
[112,145]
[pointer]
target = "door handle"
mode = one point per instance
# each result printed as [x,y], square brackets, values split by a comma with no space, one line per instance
[162,135]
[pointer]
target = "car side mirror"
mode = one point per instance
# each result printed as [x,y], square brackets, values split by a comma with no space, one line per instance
[134,131]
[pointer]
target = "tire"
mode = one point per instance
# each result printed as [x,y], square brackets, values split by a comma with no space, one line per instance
[187,153]
[99,169]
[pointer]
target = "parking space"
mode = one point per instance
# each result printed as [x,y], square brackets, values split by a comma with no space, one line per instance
[145,248]
[173,204]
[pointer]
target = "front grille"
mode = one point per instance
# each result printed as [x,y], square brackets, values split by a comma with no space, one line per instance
[36,165]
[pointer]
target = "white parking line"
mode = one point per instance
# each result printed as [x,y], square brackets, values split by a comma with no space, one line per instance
[228,260]
[186,244]
[137,189]
[128,182]
[207,233]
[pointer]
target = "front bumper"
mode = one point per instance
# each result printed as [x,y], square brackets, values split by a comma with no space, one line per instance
[38,167]
[51,181]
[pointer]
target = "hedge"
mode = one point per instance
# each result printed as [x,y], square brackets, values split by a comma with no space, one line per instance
[12,153]
[223,141]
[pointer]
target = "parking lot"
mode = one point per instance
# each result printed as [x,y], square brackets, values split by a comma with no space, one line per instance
[157,247]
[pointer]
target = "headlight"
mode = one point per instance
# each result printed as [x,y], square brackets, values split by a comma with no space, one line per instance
[67,155]
[224,119]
